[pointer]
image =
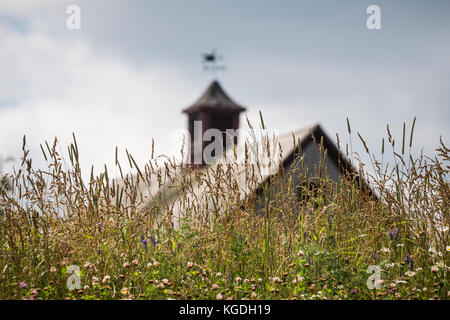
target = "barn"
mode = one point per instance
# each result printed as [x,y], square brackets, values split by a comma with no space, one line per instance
[303,158]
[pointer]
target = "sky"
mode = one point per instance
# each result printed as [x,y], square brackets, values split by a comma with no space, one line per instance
[125,76]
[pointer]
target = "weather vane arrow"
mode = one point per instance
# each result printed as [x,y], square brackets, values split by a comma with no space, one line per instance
[210,62]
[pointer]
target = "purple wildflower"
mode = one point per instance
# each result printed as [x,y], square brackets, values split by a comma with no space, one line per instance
[153,241]
[144,241]
[23,284]
[407,258]
[310,212]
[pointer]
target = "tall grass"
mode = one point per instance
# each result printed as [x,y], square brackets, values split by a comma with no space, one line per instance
[313,240]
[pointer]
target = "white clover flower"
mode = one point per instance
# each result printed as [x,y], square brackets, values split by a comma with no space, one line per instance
[390,265]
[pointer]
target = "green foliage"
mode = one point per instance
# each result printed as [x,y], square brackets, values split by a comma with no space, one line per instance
[316,244]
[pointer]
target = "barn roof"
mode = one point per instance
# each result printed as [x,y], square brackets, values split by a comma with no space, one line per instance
[214,97]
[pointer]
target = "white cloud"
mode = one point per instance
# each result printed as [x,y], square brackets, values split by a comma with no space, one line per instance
[59,87]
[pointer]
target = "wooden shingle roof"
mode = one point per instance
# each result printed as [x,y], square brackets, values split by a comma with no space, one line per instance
[214,97]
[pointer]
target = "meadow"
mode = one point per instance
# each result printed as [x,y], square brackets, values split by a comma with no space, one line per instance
[62,237]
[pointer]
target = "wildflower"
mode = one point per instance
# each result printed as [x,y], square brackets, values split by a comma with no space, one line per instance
[155,263]
[439,254]
[246,281]
[153,241]
[410,273]
[385,250]
[409,260]
[95,281]
[144,241]
[238,279]
[276,280]
[310,211]
[396,234]
[219,296]
[165,281]
[34,292]
[215,286]
[124,291]
[218,274]
[190,265]
[135,262]
[253,295]
[300,253]
[259,280]
[354,291]
[160,286]
[447,248]
[391,234]
[434,269]
[23,284]
[88,265]
[106,279]
[126,264]
[86,287]
[400,245]
[52,270]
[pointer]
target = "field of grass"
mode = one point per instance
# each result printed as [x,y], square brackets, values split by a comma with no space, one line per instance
[59,232]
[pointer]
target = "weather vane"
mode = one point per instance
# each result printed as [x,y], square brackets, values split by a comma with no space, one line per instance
[210,62]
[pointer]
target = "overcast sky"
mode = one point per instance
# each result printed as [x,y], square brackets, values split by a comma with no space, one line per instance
[125,76]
